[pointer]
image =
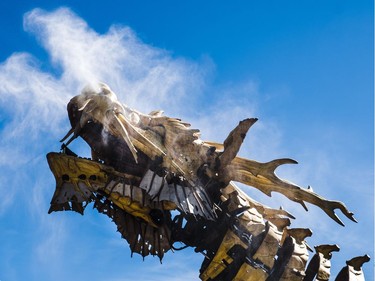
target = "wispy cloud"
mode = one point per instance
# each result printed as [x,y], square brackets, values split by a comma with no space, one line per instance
[32,99]
[141,74]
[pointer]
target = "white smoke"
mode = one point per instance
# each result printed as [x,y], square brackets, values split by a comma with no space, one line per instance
[141,74]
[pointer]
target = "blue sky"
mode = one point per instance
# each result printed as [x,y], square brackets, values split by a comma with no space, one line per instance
[304,68]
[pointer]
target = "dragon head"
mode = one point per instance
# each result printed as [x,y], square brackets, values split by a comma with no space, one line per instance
[99,105]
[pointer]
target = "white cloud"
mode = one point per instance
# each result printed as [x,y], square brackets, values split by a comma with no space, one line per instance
[33,99]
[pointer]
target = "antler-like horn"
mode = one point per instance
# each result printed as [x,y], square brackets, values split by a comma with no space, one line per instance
[262,176]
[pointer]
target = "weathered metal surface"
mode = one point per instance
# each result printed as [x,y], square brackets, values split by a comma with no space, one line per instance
[188,199]
[320,264]
[144,166]
[295,268]
[353,269]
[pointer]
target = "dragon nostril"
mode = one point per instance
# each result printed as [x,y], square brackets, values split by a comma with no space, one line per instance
[65,177]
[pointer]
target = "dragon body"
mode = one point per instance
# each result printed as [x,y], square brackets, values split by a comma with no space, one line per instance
[145,166]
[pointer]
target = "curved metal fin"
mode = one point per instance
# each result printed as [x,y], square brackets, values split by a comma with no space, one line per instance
[234,141]
[262,176]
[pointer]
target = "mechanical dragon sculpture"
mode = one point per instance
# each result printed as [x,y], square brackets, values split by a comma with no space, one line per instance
[143,167]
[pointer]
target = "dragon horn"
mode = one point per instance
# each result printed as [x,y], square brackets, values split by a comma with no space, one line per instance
[234,141]
[124,133]
[84,105]
[262,177]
